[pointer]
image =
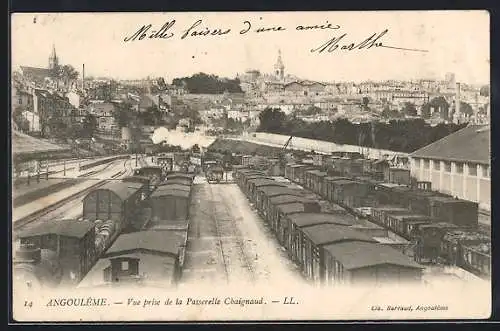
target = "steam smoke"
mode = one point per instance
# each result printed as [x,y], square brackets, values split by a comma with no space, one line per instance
[176,138]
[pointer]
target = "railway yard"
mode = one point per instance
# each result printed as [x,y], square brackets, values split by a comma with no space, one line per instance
[126,224]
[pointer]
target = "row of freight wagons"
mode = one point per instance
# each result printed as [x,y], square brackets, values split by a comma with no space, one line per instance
[326,246]
[415,213]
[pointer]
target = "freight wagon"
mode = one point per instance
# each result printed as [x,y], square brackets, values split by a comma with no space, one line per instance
[117,201]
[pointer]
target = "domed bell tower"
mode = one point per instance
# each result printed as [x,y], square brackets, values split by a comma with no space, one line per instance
[279,67]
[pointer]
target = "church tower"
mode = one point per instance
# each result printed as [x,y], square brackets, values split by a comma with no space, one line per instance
[53,60]
[279,67]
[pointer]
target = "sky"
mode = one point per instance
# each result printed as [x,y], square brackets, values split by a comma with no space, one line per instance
[447,41]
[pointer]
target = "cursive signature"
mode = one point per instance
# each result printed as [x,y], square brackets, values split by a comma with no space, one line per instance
[146,32]
[373,41]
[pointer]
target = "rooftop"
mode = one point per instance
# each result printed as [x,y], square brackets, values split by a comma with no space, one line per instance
[156,241]
[309,219]
[23,144]
[67,228]
[322,234]
[358,254]
[470,144]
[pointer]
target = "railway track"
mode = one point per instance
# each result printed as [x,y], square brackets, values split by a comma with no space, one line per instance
[52,207]
[235,240]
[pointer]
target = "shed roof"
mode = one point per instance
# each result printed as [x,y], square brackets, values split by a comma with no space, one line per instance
[309,219]
[67,228]
[470,144]
[322,234]
[358,254]
[157,241]
[123,190]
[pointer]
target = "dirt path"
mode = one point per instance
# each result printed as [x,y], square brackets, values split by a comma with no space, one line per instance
[229,244]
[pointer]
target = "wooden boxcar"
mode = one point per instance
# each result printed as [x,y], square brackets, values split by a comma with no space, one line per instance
[117,201]
[255,184]
[378,214]
[328,186]
[170,203]
[429,238]
[72,241]
[404,224]
[310,256]
[365,263]
[397,175]
[265,192]
[476,258]
[457,211]
[294,222]
[314,180]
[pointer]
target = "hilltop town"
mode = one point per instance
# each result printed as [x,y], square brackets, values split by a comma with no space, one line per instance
[58,102]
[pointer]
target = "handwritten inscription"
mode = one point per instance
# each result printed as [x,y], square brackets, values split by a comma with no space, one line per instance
[337,43]
[340,43]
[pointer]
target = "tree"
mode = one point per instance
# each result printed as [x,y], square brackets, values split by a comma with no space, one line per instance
[22,123]
[409,109]
[466,108]
[484,91]
[271,120]
[89,126]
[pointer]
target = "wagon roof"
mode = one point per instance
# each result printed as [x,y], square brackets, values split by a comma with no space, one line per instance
[271,191]
[390,208]
[293,207]
[179,175]
[266,182]
[309,219]
[158,241]
[182,181]
[410,216]
[67,228]
[322,234]
[317,172]
[168,191]
[390,185]
[173,186]
[346,182]
[333,178]
[123,190]
[440,225]
[136,178]
[450,199]
[358,254]
[286,198]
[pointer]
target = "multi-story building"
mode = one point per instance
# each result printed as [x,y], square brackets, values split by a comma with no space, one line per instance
[458,164]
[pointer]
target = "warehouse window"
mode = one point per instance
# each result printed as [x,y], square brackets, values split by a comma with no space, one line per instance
[459,167]
[437,165]
[124,265]
[426,164]
[472,169]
